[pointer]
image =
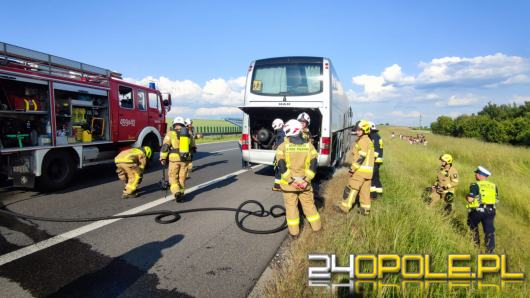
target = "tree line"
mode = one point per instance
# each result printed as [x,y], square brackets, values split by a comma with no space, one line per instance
[505,123]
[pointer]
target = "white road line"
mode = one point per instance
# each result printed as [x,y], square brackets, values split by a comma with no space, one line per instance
[17,254]
[224,150]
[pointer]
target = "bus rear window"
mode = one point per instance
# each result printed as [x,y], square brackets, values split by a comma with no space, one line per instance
[292,79]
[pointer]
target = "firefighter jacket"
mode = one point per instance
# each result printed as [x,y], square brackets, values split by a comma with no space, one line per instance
[132,156]
[306,135]
[484,193]
[176,145]
[447,179]
[378,146]
[363,157]
[297,160]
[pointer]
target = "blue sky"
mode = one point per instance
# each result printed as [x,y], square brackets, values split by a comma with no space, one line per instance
[398,59]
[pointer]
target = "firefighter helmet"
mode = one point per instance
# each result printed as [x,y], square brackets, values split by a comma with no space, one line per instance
[148,151]
[304,117]
[364,126]
[188,122]
[277,123]
[372,126]
[292,128]
[178,120]
[447,158]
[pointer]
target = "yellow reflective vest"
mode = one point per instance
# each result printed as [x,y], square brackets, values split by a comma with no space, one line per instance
[484,192]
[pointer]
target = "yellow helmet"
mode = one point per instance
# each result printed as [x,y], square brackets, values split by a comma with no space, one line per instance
[364,126]
[148,151]
[447,158]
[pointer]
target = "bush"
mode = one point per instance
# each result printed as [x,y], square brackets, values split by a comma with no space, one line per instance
[495,123]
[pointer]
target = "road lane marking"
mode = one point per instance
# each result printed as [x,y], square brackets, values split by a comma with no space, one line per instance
[223,150]
[17,254]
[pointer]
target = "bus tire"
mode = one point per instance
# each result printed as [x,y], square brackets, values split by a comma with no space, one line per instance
[58,169]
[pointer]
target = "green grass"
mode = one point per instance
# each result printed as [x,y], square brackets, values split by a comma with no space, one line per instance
[217,138]
[402,224]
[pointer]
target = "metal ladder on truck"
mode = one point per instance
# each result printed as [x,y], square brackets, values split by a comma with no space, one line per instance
[29,60]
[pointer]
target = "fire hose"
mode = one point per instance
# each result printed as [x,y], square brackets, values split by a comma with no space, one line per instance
[171,216]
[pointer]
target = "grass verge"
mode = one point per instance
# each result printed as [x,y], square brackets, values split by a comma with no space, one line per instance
[402,224]
[217,138]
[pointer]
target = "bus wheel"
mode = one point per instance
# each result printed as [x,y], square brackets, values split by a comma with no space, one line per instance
[58,169]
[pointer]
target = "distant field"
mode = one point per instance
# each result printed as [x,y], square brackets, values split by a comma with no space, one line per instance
[402,224]
[207,126]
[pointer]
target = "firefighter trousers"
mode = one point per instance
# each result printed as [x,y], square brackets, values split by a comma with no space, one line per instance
[376,187]
[131,174]
[177,172]
[361,186]
[308,206]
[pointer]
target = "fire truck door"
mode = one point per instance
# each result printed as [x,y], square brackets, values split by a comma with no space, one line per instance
[155,111]
[128,115]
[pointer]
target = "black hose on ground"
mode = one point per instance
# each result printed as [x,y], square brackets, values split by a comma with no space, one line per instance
[161,215]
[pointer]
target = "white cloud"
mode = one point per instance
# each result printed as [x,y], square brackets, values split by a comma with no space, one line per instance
[218,111]
[216,91]
[458,101]
[518,79]
[411,114]
[485,69]
[178,111]
[518,99]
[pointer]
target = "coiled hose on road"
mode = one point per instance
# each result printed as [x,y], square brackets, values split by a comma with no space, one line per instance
[174,216]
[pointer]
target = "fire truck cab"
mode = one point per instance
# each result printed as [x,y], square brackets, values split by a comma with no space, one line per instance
[58,115]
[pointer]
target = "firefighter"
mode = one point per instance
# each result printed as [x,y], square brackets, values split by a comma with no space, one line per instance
[446,182]
[481,200]
[278,138]
[361,171]
[297,163]
[193,148]
[176,149]
[305,120]
[130,165]
[376,189]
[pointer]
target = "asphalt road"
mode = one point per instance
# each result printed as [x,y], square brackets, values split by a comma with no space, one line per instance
[202,255]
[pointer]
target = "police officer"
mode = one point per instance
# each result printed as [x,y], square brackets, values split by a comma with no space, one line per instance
[176,149]
[193,148]
[361,171]
[305,120]
[130,165]
[277,140]
[481,200]
[446,182]
[376,189]
[297,163]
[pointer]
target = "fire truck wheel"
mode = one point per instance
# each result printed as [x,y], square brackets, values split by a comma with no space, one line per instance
[58,169]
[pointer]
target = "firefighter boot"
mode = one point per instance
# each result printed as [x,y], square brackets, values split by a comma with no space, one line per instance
[276,187]
[129,196]
[348,198]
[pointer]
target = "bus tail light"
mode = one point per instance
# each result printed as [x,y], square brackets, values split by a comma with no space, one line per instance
[244,142]
[325,143]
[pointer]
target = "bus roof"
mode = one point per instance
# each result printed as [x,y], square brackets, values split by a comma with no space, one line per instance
[289,59]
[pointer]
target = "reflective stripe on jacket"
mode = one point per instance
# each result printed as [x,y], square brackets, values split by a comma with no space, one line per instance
[133,155]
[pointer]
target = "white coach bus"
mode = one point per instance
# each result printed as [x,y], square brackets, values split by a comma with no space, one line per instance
[285,87]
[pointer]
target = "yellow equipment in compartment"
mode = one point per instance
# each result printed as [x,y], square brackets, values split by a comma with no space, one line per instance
[87,136]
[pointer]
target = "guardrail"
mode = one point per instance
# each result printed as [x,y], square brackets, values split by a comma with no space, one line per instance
[217,130]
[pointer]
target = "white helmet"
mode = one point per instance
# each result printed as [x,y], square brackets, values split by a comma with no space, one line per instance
[292,128]
[277,123]
[304,117]
[372,125]
[188,122]
[178,120]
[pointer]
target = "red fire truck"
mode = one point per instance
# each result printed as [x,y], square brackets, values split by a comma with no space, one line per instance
[58,115]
